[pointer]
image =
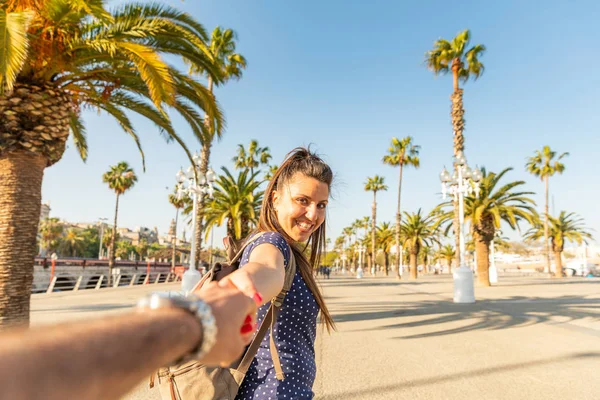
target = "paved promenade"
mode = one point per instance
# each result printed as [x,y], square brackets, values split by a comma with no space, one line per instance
[527,338]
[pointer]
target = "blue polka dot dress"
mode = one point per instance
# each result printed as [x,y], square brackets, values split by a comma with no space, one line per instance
[295,332]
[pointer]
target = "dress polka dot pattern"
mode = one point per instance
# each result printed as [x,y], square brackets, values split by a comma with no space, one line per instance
[295,332]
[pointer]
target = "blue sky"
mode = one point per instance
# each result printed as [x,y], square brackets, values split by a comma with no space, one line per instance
[346,76]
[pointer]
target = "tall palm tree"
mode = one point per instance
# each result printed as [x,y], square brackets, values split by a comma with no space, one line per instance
[385,241]
[447,253]
[486,211]
[565,227]
[347,234]
[455,56]
[237,201]
[401,152]
[544,164]
[59,57]
[72,243]
[374,184]
[51,229]
[251,158]
[417,231]
[178,202]
[120,178]
[229,65]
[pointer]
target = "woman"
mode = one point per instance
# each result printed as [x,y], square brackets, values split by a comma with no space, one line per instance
[292,217]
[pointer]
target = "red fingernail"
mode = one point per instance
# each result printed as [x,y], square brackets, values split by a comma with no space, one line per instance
[247,328]
[248,320]
[257,298]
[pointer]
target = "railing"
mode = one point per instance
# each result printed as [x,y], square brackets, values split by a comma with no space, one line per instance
[96,282]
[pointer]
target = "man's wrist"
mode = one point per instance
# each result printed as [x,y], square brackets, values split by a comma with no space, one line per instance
[195,307]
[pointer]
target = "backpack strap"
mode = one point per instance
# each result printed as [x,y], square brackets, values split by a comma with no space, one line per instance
[269,322]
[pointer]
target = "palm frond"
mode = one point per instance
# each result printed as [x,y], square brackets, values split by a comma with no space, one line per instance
[14,46]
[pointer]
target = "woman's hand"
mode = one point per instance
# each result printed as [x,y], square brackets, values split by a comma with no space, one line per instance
[233,310]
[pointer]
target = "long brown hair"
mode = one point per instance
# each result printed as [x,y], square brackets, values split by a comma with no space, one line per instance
[300,160]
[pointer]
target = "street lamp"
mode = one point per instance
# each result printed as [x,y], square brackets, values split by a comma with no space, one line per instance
[361,250]
[187,184]
[463,181]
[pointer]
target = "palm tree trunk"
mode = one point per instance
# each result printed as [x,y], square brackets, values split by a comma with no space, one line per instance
[558,272]
[174,241]
[482,252]
[398,221]
[386,263]
[546,239]
[21,174]
[111,255]
[458,126]
[413,265]
[373,225]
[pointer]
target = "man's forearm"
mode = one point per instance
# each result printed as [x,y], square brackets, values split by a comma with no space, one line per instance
[107,358]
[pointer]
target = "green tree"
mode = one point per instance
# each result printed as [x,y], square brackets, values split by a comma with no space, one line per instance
[251,158]
[119,178]
[385,241]
[447,253]
[229,65]
[237,201]
[566,227]
[418,231]
[485,212]
[59,57]
[402,152]
[51,229]
[72,243]
[374,184]
[544,164]
[142,248]
[271,170]
[463,62]
[123,250]
[91,242]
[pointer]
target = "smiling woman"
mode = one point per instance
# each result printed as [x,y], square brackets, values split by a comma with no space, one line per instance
[292,220]
[58,57]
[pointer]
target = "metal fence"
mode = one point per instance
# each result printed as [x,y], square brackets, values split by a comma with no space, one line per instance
[67,283]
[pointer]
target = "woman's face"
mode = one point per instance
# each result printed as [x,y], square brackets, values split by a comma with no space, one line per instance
[300,206]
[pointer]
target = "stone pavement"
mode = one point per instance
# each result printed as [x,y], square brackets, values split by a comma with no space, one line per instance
[527,338]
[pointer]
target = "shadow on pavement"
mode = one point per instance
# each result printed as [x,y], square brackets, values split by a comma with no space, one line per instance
[364,393]
[491,314]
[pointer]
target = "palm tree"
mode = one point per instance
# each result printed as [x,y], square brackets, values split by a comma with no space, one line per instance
[271,170]
[59,57]
[142,248]
[178,202]
[374,184]
[236,200]
[447,253]
[401,152]
[385,241]
[229,65]
[486,211]
[567,226]
[417,231]
[120,178]
[72,243]
[455,56]
[544,164]
[51,229]
[252,158]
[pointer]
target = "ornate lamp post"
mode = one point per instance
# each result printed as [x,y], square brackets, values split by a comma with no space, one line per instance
[187,184]
[463,181]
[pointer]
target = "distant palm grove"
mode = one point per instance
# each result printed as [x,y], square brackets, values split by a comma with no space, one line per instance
[58,57]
